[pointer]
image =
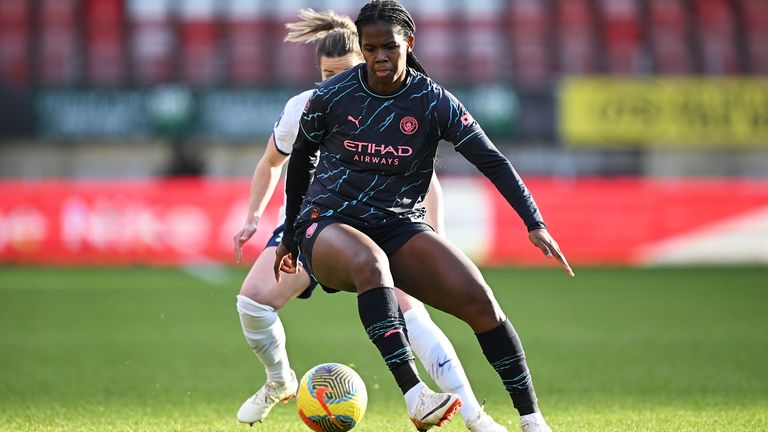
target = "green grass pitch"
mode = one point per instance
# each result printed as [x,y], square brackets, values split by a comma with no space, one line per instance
[145,349]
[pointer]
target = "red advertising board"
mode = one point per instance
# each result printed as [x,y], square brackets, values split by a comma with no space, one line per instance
[162,222]
[621,221]
[190,221]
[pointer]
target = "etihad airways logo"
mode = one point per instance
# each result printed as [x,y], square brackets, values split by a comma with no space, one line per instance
[377,153]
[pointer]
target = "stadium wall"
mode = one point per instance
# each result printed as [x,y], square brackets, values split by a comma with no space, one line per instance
[191,221]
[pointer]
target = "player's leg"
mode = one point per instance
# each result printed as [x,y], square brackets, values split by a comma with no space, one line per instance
[260,285]
[435,352]
[439,274]
[345,258]
[439,358]
[257,304]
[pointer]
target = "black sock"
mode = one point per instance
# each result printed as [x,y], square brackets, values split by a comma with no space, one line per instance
[379,314]
[504,351]
[401,318]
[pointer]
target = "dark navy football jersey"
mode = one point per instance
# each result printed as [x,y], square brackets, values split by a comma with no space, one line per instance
[375,154]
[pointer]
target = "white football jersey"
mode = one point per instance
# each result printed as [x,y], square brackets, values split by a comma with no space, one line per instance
[287,126]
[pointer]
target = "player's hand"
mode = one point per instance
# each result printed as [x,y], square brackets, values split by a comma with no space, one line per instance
[542,240]
[285,261]
[242,236]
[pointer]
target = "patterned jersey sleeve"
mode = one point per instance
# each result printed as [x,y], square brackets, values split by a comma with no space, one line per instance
[287,126]
[468,138]
[313,118]
[456,123]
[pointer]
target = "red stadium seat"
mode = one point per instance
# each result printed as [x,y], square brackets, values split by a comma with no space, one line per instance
[669,29]
[481,26]
[153,38]
[60,54]
[439,35]
[717,36]
[756,20]
[574,23]
[201,48]
[14,42]
[528,30]
[436,47]
[251,45]
[293,62]
[621,36]
[104,41]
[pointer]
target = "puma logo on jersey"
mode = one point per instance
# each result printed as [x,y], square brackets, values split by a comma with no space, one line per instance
[356,121]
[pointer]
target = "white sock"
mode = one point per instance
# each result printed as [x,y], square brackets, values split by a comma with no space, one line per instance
[436,353]
[411,396]
[265,335]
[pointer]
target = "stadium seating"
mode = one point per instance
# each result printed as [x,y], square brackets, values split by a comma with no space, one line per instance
[58,42]
[574,28]
[717,39]
[201,43]
[152,41]
[756,20]
[622,35]
[531,43]
[14,43]
[529,47]
[247,26]
[669,29]
[105,47]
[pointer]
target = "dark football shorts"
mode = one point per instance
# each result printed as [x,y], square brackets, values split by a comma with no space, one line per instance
[277,237]
[388,236]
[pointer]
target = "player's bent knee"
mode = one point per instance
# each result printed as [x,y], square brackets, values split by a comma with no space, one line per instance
[260,291]
[370,270]
[482,314]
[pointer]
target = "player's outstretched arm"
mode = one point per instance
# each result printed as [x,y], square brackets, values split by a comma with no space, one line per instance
[263,183]
[486,157]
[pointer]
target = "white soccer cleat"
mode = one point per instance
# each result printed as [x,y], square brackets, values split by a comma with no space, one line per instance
[482,422]
[534,423]
[433,409]
[258,406]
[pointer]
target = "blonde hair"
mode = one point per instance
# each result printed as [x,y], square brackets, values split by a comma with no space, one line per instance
[335,35]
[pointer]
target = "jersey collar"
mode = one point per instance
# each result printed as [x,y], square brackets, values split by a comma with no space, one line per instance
[361,74]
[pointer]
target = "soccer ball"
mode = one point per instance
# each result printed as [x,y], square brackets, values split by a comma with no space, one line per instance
[331,398]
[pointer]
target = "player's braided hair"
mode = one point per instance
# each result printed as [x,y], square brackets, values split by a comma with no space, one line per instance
[336,35]
[394,13]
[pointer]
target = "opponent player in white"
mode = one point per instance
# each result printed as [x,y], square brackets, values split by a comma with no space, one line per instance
[261,296]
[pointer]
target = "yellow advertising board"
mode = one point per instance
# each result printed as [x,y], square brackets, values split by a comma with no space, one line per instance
[669,112]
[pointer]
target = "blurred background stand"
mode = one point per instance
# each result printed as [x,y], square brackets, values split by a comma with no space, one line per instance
[171,109]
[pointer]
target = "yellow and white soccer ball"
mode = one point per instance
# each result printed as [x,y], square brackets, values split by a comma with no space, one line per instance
[331,398]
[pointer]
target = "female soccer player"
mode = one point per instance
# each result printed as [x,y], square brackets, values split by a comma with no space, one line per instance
[358,170]
[260,296]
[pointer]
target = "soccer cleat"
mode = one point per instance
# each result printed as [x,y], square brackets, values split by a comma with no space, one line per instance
[534,423]
[482,422]
[257,407]
[433,409]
